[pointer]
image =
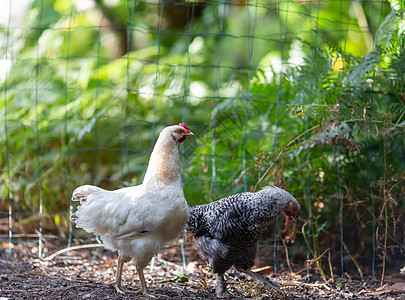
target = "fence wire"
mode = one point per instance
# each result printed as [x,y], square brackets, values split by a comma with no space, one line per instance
[88,85]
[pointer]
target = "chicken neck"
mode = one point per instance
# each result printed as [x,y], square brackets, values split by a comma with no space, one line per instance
[164,162]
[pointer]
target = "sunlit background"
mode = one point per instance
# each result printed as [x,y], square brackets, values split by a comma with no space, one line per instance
[307,95]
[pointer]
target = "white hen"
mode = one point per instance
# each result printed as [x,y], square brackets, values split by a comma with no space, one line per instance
[136,221]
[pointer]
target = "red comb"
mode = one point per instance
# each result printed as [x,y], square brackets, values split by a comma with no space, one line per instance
[184,126]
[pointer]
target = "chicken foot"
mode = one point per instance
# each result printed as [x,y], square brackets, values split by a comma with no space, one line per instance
[122,259]
[144,289]
[262,279]
[222,291]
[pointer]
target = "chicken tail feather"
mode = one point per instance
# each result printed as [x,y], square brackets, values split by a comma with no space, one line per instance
[73,218]
[81,193]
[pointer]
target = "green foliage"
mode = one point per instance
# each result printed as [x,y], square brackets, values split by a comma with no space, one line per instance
[181,278]
[291,94]
[351,141]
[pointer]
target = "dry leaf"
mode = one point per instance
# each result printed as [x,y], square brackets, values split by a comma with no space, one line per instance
[400,286]
[193,267]
[264,270]
[376,293]
[379,289]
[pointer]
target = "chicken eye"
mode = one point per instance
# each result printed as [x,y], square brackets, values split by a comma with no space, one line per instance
[179,131]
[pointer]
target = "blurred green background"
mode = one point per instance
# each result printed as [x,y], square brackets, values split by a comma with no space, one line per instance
[306,95]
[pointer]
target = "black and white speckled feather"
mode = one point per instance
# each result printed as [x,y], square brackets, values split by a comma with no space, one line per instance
[227,230]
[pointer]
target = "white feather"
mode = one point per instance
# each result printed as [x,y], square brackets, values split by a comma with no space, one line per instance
[138,220]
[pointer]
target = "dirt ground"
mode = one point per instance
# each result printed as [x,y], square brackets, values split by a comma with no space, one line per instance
[84,273]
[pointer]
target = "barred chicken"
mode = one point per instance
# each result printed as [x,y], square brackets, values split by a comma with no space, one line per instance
[227,230]
[136,221]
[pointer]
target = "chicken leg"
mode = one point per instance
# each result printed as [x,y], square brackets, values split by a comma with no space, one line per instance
[117,282]
[221,291]
[144,288]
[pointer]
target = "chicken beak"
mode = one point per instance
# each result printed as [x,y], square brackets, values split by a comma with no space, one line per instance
[189,133]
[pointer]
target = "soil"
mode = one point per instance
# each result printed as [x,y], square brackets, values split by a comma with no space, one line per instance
[83,274]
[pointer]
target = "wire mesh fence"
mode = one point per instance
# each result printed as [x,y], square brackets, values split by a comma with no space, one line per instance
[306,95]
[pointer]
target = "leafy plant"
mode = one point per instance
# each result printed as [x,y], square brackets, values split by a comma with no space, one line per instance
[348,144]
